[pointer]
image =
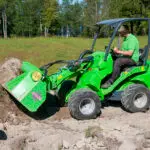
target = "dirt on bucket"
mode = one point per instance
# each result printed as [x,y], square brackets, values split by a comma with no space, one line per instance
[12,111]
[9,69]
[9,112]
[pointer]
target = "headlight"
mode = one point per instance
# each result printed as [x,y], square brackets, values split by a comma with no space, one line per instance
[36,76]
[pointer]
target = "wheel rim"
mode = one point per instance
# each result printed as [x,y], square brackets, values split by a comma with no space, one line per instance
[140,100]
[87,106]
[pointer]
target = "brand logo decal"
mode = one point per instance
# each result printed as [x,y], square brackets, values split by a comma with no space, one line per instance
[36,96]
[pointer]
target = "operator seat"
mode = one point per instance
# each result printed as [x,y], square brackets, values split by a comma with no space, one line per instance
[143,53]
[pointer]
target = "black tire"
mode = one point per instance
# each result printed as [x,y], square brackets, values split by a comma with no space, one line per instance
[79,99]
[130,95]
[65,88]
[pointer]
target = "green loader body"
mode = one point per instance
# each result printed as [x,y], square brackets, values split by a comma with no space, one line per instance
[32,94]
[84,94]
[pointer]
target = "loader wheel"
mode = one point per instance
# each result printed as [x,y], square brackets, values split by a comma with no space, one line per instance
[136,98]
[84,104]
[66,86]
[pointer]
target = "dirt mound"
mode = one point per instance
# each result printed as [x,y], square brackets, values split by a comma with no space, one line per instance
[9,112]
[9,69]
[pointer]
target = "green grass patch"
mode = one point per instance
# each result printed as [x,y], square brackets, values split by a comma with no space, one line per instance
[41,50]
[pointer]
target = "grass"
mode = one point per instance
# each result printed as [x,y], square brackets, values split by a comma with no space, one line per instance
[41,50]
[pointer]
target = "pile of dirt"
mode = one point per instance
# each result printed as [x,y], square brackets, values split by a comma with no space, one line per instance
[9,69]
[12,111]
[9,112]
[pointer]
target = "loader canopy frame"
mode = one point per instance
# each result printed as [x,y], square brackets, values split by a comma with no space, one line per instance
[116,23]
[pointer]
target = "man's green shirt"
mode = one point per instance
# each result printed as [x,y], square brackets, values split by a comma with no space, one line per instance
[131,43]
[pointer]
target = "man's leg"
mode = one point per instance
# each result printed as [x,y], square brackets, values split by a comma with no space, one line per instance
[120,63]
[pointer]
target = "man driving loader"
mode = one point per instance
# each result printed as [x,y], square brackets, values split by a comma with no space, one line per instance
[128,55]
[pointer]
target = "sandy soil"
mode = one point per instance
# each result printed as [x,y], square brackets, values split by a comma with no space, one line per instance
[52,128]
[115,129]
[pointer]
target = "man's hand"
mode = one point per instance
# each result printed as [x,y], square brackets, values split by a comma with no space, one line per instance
[116,50]
[125,53]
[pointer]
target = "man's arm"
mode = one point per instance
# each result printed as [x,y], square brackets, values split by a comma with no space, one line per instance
[125,53]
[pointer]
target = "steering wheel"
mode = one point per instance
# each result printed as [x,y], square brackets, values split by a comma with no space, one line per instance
[74,65]
[113,54]
[85,53]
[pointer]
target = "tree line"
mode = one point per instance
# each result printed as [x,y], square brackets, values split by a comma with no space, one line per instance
[29,18]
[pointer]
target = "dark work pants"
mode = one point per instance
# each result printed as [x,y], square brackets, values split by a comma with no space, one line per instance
[119,64]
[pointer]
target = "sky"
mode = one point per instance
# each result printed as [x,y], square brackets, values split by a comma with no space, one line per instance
[60,1]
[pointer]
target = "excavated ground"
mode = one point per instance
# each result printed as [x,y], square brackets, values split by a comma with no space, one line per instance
[11,111]
[9,108]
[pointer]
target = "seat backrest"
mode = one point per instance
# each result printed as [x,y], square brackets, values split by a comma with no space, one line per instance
[143,53]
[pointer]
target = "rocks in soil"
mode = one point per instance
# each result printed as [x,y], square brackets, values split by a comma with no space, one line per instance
[20,143]
[66,144]
[127,144]
[94,141]
[80,144]
[92,144]
[146,143]
[147,135]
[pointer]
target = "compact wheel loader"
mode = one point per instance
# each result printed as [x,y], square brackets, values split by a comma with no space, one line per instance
[84,94]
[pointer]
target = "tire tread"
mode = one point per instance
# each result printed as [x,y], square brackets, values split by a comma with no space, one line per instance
[128,94]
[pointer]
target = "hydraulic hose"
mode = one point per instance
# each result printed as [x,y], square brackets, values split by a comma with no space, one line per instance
[52,63]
